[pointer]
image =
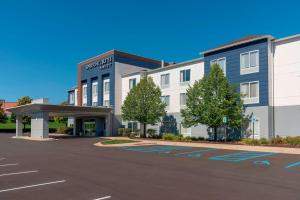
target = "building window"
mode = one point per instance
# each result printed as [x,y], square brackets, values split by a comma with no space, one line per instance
[249,62]
[250,92]
[106,87]
[185,75]
[166,100]
[94,93]
[71,98]
[132,83]
[106,103]
[165,80]
[182,100]
[84,94]
[221,62]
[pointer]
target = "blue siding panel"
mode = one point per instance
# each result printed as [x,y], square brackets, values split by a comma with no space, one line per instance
[233,67]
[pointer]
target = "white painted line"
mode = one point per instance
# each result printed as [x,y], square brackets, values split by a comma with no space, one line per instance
[31,186]
[5,165]
[16,173]
[107,197]
[2,158]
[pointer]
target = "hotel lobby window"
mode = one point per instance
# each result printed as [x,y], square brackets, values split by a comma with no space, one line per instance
[106,86]
[95,93]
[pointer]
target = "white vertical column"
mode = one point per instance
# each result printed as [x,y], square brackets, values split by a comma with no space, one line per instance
[39,125]
[19,126]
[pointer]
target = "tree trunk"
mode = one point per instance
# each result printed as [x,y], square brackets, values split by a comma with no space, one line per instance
[144,131]
[215,133]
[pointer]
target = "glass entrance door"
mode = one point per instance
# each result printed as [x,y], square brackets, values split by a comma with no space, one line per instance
[89,129]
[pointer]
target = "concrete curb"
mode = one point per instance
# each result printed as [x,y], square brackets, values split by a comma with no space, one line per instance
[34,139]
[285,150]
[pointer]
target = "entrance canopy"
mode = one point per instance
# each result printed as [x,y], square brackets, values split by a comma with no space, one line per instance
[40,116]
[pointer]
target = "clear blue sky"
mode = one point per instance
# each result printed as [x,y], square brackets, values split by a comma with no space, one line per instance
[41,42]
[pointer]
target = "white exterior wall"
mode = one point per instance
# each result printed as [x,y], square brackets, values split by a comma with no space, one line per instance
[125,84]
[121,69]
[175,88]
[287,72]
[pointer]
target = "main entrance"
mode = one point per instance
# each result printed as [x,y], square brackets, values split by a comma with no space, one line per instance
[89,128]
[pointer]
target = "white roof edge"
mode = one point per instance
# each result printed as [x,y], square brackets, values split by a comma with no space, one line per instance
[287,38]
[235,44]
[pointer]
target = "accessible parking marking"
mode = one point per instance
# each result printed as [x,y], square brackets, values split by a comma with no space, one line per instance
[17,173]
[241,156]
[102,198]
[5,165]
[31,186]
[155,149]
[194,154]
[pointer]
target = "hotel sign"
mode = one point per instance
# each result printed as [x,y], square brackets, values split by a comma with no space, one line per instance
[102,64]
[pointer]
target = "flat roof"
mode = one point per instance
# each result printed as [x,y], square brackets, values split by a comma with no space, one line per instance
[168,67]
[111,52]
[239,42]
[61,110]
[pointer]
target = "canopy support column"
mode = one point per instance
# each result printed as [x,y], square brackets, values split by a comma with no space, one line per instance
[108,125]
[39,125]
[19,126]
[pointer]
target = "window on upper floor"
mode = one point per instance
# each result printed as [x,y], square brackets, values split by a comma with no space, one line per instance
[185,76]
[71,98]
[249,62]
[106,103]
[165,80]
[132,83]
[221,62]
[166,99]
[183,97]
[95,89]
[106,86]
[84,94]
[250,92]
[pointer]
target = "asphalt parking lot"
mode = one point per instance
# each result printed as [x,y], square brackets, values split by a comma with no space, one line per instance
[75,169]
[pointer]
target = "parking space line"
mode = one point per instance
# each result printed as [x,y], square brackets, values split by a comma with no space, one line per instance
[5,165]
[17,173]
[101,198]
[31,186]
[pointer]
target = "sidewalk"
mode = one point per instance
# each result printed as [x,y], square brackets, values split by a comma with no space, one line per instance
[205,145]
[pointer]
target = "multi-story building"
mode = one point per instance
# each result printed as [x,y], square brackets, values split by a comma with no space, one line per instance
[264,69]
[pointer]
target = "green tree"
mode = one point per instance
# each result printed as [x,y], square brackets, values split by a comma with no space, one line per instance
[62,119]
[2,114]
[212,98]
[143,104]
[23,101]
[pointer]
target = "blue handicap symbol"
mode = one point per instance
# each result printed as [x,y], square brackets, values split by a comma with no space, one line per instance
[292,165]
[262,162]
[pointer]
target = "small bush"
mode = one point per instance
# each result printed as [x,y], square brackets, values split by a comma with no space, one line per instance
[151,132]
[250,141]
[124,132]
[187,139]
[64,130]
[264,141]
[170,136]
[292,140]
[277,140]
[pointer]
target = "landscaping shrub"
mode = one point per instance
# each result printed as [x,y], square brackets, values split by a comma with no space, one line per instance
[170,136]
[124,132]
[64,130]
[151,132]
[187,139]
[277,140]
[263,141]
[292,140]
[250,141]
